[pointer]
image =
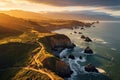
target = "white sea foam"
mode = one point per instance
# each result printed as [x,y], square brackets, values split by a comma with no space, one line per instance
[73,67]
[101,70]
[104,42]
[74,63]
[83,59]
[113,49]
[63,53]
[100,40]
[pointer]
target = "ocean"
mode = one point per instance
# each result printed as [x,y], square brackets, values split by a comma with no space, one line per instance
[106,47]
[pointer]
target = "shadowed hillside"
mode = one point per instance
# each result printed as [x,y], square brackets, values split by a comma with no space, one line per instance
[14,26]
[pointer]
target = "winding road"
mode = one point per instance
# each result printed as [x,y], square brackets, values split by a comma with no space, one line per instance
[35,57]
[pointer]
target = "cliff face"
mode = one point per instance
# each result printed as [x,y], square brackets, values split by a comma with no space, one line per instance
[56,43]
[60,40]
[57,66]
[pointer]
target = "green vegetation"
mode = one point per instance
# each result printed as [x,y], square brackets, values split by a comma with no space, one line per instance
[8,74]
[30,75]
[22,74]
[15,54]
[6,32]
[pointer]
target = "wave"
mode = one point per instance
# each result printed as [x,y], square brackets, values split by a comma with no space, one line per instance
[101,70]
[100,40]
[113,49]
[74,64]
[63,53]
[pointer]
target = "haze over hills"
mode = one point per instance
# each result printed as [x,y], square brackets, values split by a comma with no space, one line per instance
[37,19]
[25,14]
[76,15]
[14,24]
[10,25]
[83,16]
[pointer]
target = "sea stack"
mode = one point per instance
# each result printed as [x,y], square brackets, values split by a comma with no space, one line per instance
[88,50]
[90,68]
[75,32]
[71,56]
[80,33]
[87,39]
[83,37]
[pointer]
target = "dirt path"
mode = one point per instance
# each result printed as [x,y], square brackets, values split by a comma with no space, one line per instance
[38,70]
[37,61]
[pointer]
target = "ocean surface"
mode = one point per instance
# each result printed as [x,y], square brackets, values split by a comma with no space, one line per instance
[106,47]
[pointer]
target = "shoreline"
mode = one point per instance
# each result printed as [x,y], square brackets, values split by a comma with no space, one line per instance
[101,71]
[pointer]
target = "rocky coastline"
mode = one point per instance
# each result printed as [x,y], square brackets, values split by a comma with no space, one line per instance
[57,43]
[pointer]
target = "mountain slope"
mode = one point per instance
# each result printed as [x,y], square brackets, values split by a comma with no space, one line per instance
[11,25]
[25,14]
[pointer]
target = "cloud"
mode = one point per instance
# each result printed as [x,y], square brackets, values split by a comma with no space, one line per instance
[111,7]
[115,8]
[79,2]
[85,15]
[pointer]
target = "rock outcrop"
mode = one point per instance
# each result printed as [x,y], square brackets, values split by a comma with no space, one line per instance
[61,40]
[57,66]
[71,56]
[54,44]
[79,32]
[58,42]
[87,39]
[88,50]
[90,68]
[83,37]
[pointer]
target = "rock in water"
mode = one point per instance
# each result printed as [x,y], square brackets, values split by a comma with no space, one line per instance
[83,37]
[87,39]
[82,28]
[80,57]
[71,56]
[80,33]
[75,32]
[90,68]
[88,50]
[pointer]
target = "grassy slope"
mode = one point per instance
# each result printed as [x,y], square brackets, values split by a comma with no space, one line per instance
[14,56]
[10,26]
[25,14]
[6,32]
[22,74]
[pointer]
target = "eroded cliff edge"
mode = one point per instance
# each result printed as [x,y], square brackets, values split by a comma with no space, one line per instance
[54,44]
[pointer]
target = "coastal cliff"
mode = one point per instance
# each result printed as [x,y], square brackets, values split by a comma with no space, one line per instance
[36,59]
[56,43]
[60,42]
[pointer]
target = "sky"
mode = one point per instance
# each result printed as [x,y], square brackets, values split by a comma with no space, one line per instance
[106,7]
